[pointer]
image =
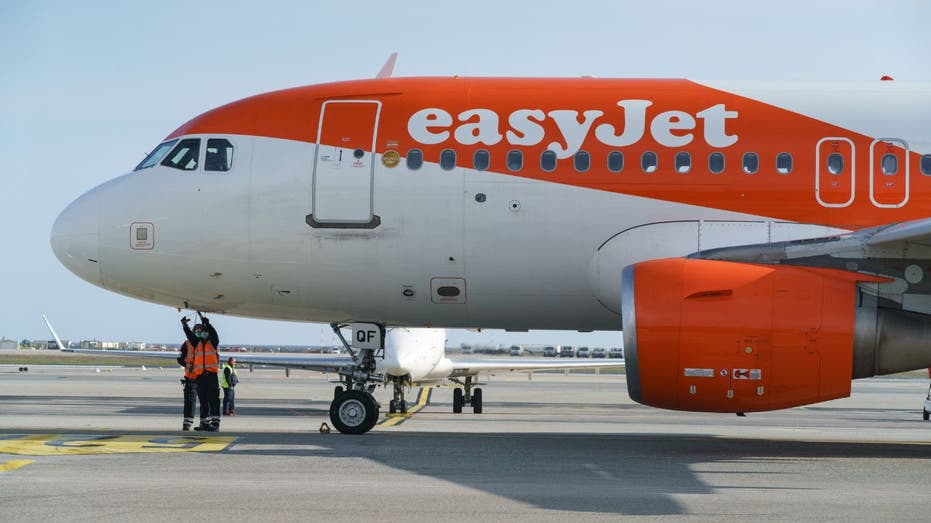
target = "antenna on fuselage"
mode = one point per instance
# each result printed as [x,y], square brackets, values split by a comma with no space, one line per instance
[388,68]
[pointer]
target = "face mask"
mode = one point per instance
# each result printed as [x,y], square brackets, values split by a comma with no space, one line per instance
[202,335]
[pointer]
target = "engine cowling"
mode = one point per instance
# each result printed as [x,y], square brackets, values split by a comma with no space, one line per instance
[718,336]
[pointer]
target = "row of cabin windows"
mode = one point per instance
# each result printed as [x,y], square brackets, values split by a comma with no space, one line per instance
[649,162]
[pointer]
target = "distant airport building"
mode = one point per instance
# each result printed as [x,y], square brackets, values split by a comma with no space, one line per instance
[6,344]
[123,345]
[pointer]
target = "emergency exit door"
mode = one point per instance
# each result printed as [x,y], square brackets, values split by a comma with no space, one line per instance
[344,165]
[889,173]
[835,171]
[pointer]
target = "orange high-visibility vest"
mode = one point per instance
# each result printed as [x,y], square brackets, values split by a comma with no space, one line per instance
[189,361]
[206,359]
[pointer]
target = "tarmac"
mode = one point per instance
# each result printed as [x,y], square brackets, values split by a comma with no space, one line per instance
[104,444]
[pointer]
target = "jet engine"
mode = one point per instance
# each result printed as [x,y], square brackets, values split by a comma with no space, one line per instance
[717,336]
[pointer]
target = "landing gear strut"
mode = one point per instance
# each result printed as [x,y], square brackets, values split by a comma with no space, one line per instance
[354,410]
[466,394]
[398,404]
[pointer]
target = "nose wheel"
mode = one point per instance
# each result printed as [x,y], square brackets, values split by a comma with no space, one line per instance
[354,412]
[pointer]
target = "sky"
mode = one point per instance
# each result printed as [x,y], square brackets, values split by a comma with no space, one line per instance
[86,88]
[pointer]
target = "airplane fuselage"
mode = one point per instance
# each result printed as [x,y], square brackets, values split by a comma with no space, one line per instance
[493,203]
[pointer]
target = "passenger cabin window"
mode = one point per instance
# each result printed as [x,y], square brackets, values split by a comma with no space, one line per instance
[615,161]
[481,159]
[582,161]
[515,160]
[784,163]
[716,163]
[835,163]
[184,156]
[751,163]
[447,159]
[683,162]
[648,162]
[890,164]
[414,159]
[219,156]
[548,161]
[926,165]
[156,155]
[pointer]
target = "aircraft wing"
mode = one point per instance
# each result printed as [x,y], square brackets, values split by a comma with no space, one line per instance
[471,367]
[295,361]
[897,251]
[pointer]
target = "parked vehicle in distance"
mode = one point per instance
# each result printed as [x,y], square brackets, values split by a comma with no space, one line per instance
[550,352]
[616,352]
[567,351]
[583,352]
[516,350]
[599,352]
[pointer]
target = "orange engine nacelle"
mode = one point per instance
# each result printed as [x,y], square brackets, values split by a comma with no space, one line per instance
[718,336]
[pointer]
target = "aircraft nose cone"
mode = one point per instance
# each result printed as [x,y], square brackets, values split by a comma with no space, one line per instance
[75,239]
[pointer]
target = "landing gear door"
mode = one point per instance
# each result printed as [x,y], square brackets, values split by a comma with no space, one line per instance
[344,166]
[889,180]
[835,169]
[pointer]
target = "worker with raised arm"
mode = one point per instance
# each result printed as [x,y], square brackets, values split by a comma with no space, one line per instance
[186,358]
[205,366]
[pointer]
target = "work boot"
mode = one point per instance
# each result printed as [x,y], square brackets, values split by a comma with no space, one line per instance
[186,426]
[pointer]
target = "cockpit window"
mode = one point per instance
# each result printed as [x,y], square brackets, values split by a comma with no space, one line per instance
[156,155]
[219,155]
[184,156]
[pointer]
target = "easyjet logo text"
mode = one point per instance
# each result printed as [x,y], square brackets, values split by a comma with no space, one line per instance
[620,128]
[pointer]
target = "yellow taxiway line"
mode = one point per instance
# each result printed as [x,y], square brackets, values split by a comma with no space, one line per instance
[62,444]
[10,466]
[423,397]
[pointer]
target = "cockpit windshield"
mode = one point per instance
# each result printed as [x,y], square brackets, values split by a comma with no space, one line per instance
[156,155]
[184,156]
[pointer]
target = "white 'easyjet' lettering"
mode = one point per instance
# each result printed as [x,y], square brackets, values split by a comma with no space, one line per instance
[482,126]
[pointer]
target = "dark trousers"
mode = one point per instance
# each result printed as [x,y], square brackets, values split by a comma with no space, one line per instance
[208,392]
[229,400]
[190,400]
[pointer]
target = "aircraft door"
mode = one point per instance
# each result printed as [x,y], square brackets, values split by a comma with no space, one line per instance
[835,167]
[889,181]
[344,165]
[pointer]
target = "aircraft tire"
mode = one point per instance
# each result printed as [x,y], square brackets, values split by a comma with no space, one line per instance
[392,407]
[457,401]
[354,412]
[477,401]
[402,406]
[926,414]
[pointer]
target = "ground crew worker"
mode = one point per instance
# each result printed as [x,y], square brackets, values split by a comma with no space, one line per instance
[186,358]
[204,369]
[228,382]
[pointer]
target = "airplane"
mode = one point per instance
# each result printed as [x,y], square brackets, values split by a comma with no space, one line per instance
[759,245]
[413,357]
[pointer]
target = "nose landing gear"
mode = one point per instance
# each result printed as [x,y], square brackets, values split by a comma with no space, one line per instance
[354,410]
